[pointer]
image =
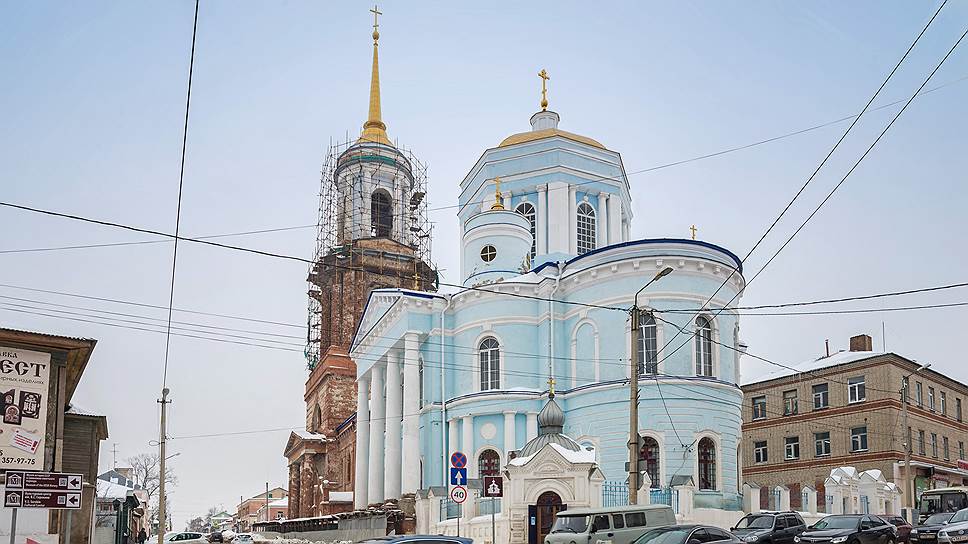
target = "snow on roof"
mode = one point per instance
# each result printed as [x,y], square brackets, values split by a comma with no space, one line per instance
[583,455]
[279,503]
[110,490]
[306,435]
[840,358]
[340,496]
[78,411]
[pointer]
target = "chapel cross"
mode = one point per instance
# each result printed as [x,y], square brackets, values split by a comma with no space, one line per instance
[551,387]
[376,14]
[544,88]
[693,229]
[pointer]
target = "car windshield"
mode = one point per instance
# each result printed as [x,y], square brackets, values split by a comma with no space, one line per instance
[937,519]
[665,535]
[570,524]
[755,522]
[837,522]
[933,503]
[960,515]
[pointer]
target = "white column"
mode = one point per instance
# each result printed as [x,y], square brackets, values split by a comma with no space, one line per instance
[541,227]
[411,414]
[375,455]
[532,425]
[393,427]
[572,221]
[602,223]
[615,221]
[509,433]
[362,442]
[467,444]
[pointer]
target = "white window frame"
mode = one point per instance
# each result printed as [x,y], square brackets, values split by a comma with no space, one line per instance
[480,366]
[700,341]
[934,445]
[943,396]
[791,448]
[818,441]
[824,395]
[644,364]
[753,405]
[791,404]
[854,387]
[931,404]
[857,437]
[532,217]
[759,449]
[586,232]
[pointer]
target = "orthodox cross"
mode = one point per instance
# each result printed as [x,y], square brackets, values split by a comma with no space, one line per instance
[544,88]
[376,14]
[693,229]
[498,198]
[551,387]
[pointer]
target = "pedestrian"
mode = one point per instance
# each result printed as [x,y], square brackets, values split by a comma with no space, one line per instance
[142,536]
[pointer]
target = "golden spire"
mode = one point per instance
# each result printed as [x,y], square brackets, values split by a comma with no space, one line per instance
[374,130]
[544,88]
[498,198]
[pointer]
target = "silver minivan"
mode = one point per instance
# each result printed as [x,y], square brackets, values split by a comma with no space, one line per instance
[612,525]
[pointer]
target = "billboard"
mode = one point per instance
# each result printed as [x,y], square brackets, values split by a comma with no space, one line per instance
[24,387]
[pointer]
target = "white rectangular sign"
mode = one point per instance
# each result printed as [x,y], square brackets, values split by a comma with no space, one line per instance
[24,390]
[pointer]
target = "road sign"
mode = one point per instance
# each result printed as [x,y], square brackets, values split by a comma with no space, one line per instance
[458,460]
[458,494]
[43,490]
[493,486]
[458,476]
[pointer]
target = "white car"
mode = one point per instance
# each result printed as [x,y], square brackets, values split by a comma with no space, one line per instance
[185,536]
[243,538]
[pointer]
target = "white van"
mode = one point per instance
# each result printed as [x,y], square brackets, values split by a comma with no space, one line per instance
[613,525]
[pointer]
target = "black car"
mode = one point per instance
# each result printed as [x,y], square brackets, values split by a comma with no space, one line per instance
[928,531]
[216,537]
[849,529]
[769,527]
[687,534]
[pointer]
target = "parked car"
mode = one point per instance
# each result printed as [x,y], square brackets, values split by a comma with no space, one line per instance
[216,536]
[242,538]
[616,524]
[185,536]
[687,534]
[417,539]
[769,527]
[956,530]
[849,529]
[927,532]
[903,527]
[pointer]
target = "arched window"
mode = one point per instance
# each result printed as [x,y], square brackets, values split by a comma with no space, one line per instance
[381,213]
[317,419]
[707,464]
[490,356]
[648,346]
[527,210]
[704,347]
[649,459]
[586,228]
[488,464]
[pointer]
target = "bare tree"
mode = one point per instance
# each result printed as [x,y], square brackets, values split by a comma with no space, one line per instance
[145,473]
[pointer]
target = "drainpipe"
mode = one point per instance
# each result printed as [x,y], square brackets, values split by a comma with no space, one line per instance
[551,324]
[443,396]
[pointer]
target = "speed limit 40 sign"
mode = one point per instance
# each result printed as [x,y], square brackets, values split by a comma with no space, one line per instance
[458,494]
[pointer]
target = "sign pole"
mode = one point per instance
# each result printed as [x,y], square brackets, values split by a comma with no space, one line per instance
[67,534]
[493,530]
[13,524]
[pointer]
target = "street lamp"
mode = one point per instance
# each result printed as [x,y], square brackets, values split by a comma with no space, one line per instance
[634,389]
[908,482]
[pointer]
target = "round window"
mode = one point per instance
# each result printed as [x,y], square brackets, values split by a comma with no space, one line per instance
[488,253]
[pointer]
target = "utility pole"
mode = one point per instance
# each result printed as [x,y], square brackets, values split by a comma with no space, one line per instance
[634,374]
[162,446]
[267,501]
[114,450]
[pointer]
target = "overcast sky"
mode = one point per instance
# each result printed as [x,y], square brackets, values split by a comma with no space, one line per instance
[92,109]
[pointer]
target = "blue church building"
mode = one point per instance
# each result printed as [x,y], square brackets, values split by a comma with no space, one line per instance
[549,271]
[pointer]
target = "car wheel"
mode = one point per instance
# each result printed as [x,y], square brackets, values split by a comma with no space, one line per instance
[891,540]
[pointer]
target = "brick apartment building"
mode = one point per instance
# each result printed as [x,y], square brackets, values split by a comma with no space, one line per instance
[845,410]
[247,512]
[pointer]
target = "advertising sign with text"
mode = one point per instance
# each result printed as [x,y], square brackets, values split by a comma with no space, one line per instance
[24,382]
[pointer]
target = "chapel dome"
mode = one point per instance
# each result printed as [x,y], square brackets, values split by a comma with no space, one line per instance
[544,124]
[551,420]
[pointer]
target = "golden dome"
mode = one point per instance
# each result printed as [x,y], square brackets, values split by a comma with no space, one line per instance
[533,135]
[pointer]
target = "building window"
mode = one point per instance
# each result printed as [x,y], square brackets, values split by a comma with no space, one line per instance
[961,450]
[944,403]
[649,456]
[858,439]
[586,228]
[821,396]
[490,356]
[791,447]
[945,448]
[488,253]
[920,442]
[919,394]
[381,213]
[790,402]
[760,453]
[931,399]
[704,347]
[527,210]
[821,442]
[958,409]
[488,463]
[759,407]
[648,347]
[856,389]
[707,464]
[934,444]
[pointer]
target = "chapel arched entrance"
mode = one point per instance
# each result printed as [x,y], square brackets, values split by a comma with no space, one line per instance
[541,516]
